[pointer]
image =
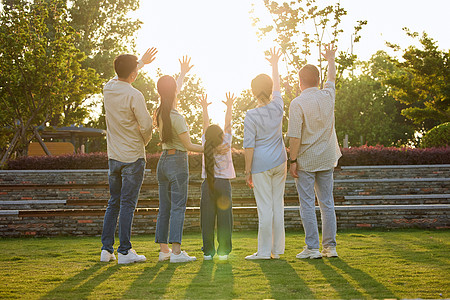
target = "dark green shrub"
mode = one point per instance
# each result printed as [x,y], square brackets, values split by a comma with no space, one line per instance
[438,136]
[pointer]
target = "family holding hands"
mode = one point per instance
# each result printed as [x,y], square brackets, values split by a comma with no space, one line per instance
[313,154]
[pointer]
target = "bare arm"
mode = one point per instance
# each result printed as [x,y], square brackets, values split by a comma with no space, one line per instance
[273,60]
[248,154]
[329,55]
[204,103]
[228,115]
[186,141]
[294,146]
[185,68]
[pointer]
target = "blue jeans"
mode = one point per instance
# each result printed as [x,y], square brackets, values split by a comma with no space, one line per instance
[310,184]
[173,177]
[219,204]
[125,180]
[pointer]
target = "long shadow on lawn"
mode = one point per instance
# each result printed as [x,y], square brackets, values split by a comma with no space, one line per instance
[152,282]
[213,281]
[373,287]
[417,251]
[85,289]
[207,286]
[336,280]
[284,280]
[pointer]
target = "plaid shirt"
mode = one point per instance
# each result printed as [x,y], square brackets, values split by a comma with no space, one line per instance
[311,119]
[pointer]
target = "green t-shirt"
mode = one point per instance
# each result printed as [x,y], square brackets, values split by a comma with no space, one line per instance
[178,127]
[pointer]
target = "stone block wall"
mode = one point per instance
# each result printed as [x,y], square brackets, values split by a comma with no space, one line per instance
[85,194]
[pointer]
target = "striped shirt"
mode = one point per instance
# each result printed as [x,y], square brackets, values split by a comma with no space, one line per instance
[311,119]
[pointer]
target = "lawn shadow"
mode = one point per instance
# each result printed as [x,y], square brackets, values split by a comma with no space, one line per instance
[153,281]
[373,287]
[284,280]
[213,281]
[419,251]
[336,280]
[72,285]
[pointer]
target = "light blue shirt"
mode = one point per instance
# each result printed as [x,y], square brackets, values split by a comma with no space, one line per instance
[263,132]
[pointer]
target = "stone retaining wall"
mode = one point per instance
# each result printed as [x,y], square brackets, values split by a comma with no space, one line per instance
[83,195]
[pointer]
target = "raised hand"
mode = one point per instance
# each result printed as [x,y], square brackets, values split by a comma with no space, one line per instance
[330,52]
[230,99]
[149,55]
[203,101]
[185,64]
[274,56]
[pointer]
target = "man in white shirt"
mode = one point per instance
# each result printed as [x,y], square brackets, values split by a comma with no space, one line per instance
[314,152]
[129,129]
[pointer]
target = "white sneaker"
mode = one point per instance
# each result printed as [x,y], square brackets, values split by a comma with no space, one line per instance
[223,257]
[207,257]
[256,256]
[329,252]
[131,257]
[105,256]
[309,253]
[182,257]
[164,256]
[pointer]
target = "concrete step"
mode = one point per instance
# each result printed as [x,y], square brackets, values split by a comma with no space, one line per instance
[191,210]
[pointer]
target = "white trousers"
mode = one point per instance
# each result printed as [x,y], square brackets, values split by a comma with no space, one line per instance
[269,195]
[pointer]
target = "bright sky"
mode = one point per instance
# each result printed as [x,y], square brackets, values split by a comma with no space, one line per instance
[227,55]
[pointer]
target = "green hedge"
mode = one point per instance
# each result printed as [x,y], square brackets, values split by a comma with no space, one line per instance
[360,156]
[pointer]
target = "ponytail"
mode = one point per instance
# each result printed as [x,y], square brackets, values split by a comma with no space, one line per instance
[213,138]
[167,91]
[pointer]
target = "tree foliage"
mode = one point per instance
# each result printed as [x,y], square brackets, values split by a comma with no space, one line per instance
[189,108]
[438,136]
[315,24]
[105,31]
[40,68]
[423,83]
[365,109]
[242,104]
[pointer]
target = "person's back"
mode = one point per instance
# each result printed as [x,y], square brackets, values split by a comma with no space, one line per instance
[124,108]
[265,125]
[319,149]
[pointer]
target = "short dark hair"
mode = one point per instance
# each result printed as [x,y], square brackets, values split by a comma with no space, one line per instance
[125,64]
[262,86]
[309,75]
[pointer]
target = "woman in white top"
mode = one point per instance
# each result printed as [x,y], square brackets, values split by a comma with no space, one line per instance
[216,188]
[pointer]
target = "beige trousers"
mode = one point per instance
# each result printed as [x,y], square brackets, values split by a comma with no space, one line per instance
[269,195]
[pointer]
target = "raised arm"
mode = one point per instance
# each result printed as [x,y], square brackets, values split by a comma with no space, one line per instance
[329,55]
[185,68]
[228,115]
[204,103]
[273,60]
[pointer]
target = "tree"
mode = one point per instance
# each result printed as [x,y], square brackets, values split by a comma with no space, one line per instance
[189,108]
[40,70]
[365,109]
[242,104]
[311,22]
[105,31]
[423,84]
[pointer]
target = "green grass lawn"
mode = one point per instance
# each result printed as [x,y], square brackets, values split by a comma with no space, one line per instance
[372,264]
